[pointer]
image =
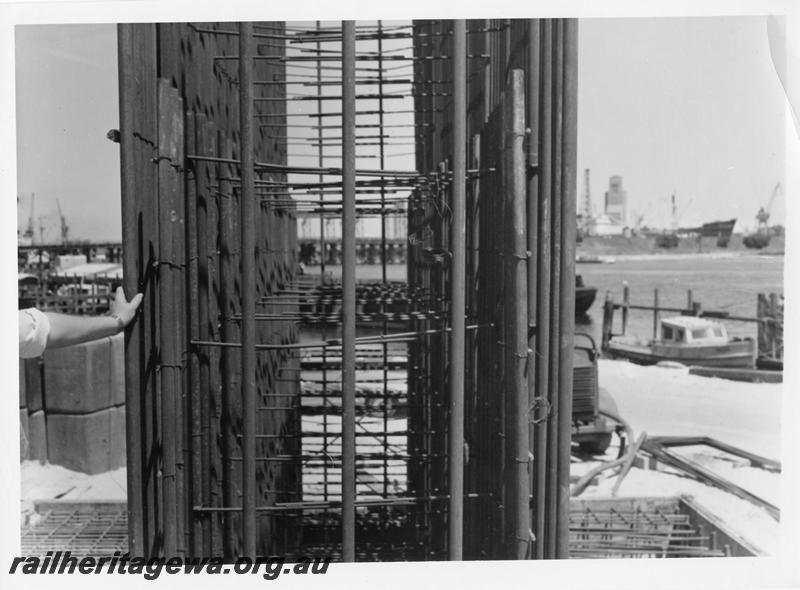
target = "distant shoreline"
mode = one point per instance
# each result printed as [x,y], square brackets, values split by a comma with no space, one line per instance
[632,248]
[667,255]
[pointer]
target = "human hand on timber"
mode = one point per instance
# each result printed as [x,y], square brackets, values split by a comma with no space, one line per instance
[124,309]
[66,330]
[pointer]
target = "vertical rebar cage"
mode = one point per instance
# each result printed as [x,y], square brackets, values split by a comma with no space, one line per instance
[283,399]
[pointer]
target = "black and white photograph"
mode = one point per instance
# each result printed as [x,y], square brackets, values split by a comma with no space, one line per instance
[303,289]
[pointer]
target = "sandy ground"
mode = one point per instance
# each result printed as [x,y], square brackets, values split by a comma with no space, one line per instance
[42,481]
[655,400]
[740,516]
[669,401]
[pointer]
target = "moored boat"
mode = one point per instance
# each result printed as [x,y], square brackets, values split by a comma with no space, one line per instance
[687,340]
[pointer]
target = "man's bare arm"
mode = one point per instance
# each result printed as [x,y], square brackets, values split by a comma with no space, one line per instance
[66,330]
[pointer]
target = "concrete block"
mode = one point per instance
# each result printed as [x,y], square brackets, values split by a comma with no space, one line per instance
[118,448]
[85,378]
[117,369]
[24,446]
[34,384]
[37,436]
[90,443]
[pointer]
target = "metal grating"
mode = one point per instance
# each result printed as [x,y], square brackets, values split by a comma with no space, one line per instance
[622,529]
[83,529]
[633,529]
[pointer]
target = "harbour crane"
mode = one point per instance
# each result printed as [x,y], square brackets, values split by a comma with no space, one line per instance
[685,209]
[640,217]
[763,213]
[64,226]
[29,229]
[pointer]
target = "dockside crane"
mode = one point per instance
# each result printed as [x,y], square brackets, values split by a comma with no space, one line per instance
[763,213]
[761,238]
[29,229]
[640,218]
[64,226]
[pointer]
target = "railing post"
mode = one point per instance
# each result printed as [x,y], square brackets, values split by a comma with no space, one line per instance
[626,301]
[655,313]
[608,321]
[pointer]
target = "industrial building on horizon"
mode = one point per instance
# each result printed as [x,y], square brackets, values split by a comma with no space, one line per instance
[614,219]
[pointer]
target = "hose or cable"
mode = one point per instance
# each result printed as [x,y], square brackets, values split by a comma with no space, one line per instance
[587,478]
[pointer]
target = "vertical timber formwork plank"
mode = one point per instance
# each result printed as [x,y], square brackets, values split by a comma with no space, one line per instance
[193,458]
[532,167]
[170,132]
[567,289]
[217,459]
[455,448]
[414,353]
[180,372]
[556,306]
[248,270]
[541,531]
[348,290]
[229,356]
[136,52]
[204,200]
[516,337]
[472,512]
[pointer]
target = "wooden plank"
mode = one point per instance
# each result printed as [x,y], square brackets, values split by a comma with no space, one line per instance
[700,472]
[516,320]
[645,504]
[194,401]
[733,544]
[733,374]
[170,133]
[137,57]
[201,214]
[230,357]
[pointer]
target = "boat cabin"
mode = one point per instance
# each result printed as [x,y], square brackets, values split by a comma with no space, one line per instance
[692,330]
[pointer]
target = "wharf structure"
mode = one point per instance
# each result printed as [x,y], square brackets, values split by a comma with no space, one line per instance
[273,412]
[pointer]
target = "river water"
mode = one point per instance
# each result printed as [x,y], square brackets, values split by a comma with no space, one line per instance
[720,283]
[729,284]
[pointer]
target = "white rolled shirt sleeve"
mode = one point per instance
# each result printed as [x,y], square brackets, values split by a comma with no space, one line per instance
[34,329]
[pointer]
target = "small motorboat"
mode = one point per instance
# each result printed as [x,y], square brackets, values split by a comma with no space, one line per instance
[689,340]
[584,296]
[589,259]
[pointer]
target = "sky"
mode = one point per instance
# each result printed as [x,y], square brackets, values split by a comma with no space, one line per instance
[67,99]
[685,105]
